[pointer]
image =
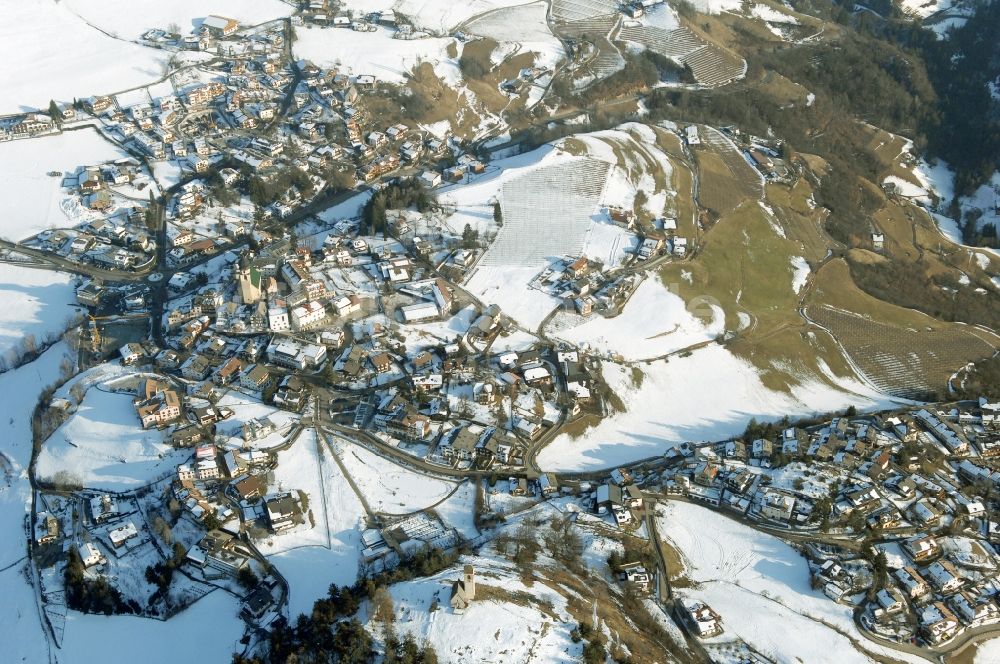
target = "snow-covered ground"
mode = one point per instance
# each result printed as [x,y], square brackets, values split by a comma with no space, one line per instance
[51,53]
[988,652]
[119,18]
[388,487]
[938,179]
[24,168]
[375,53]
[924,8]
[490,630]
[207,631]
[35,302]
[441,15]
[760,587]
[716,6]
[617,164]
[103,446]
[654,322]
[771,15]
[800,273]
[681,400]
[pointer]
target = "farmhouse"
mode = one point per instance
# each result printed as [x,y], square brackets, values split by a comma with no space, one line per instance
[220,26]
[156,404]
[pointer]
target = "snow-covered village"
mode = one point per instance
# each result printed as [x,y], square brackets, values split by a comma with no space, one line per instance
[499,331]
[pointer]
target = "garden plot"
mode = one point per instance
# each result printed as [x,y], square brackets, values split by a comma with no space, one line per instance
[670,402]
[36,70]
[760,587]
[103,446]
[388,487]
[501,625]
[654,322]
[120,18]
[41,202]
[375,53]
[244,409]
[904,362]
[430,335]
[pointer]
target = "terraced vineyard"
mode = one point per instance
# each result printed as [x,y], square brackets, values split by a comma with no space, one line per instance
[546,213]
[576,10]
[711,66]
[727,180]
[596,30]
[903,362]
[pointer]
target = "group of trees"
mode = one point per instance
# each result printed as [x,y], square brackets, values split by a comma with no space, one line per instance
[981,379]
[470,237]
[475,61]
[595,649]
[92,595]
[939,296]
[264,192]
[641,72]
[162,573]
[330,633]
[399,195]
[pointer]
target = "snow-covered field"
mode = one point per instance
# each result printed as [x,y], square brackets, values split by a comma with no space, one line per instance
[103,446]
[508,289]
[924,8]
[207,631]
[328,553]
[457,510]
[35,302]
[24,168]
[539,228]
[18,617]
[760,587]
[654,322]
[800,273]
[375,53]
[388,487]
[525,25]
[681,400]
[51,53]
[119,18]
[433,15]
